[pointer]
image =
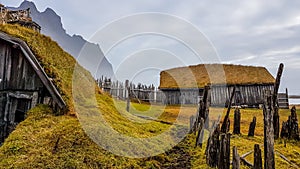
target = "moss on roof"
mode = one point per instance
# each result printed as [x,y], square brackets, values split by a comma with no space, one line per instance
[57,63]
[204,74]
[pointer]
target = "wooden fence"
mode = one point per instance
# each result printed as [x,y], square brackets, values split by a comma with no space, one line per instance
[145,93]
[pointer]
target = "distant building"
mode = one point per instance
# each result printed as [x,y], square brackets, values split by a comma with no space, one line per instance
[20,17]
[185,85]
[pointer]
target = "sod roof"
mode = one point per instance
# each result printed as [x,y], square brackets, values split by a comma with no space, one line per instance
[198,76]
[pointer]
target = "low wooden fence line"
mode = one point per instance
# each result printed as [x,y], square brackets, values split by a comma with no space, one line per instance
[139,92]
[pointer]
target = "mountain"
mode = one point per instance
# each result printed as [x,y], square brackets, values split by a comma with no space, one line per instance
[52,26]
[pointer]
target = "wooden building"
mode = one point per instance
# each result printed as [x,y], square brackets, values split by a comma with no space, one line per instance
[185,85]
[20,17]
[23,84]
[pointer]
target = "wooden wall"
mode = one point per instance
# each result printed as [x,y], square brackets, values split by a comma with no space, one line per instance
[184,96]
[20,88]
[248,95]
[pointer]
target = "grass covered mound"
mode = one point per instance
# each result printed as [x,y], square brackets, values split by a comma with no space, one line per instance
[57,63]
[44,140]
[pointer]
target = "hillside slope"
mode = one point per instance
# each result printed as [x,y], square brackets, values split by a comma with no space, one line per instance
[51,24]
[45,140]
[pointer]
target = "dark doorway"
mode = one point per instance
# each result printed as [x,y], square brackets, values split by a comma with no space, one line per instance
[23,106]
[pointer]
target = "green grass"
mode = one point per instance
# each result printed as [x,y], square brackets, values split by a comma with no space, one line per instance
[45,140]
[57,63]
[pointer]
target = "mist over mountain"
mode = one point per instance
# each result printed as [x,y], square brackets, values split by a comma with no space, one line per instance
[52,26]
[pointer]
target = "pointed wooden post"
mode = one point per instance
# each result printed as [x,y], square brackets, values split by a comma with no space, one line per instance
[275,102]
[192,122]
[199,138]
[226,122]
[269,162]
[235,158]
[237,122]
[128,95]
[213,148]
[224,154]
[252,127]
[257,157]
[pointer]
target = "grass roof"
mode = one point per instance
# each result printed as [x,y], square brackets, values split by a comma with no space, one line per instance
[58,64]
[198,76]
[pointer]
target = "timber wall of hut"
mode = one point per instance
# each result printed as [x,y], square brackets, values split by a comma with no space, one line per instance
[248,95]
[20,88]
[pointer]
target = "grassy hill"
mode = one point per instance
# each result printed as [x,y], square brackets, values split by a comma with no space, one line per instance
[48,140]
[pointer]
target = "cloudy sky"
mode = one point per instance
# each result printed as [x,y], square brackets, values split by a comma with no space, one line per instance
[262,33]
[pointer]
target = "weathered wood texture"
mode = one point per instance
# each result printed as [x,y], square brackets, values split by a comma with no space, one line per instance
[283,100]
[237,122]
[203,111]
[128,95]
[213,148]
[192,122]
[235,158]
[23,84]
[246,95]
[276,122]
[200,135]
[252,127]
[268,111]
[139,92]
[224,154]
[257,157]
[290,128]
[226,122]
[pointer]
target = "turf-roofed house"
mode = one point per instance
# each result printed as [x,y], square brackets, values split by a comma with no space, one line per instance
[23,84]
[185,85]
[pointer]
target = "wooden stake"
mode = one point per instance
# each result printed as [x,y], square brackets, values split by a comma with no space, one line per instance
[276,121]
[237,122]
[224,155]
[226,123]
[128,97]
[268,110]
[236,159]
[252,127]
[257,157]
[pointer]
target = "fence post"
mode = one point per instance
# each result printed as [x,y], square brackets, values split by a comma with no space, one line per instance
[257,157]
[226,121]
[224,154]
[268,111]
[213,148]
[237,122]
[192,122]
[127,87]
[199,138]
[252,127]
[235,158]
[275,105]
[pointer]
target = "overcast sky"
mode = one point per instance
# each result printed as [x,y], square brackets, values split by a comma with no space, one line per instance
[254,32]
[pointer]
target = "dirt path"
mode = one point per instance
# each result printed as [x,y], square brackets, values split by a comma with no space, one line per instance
[181,158]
